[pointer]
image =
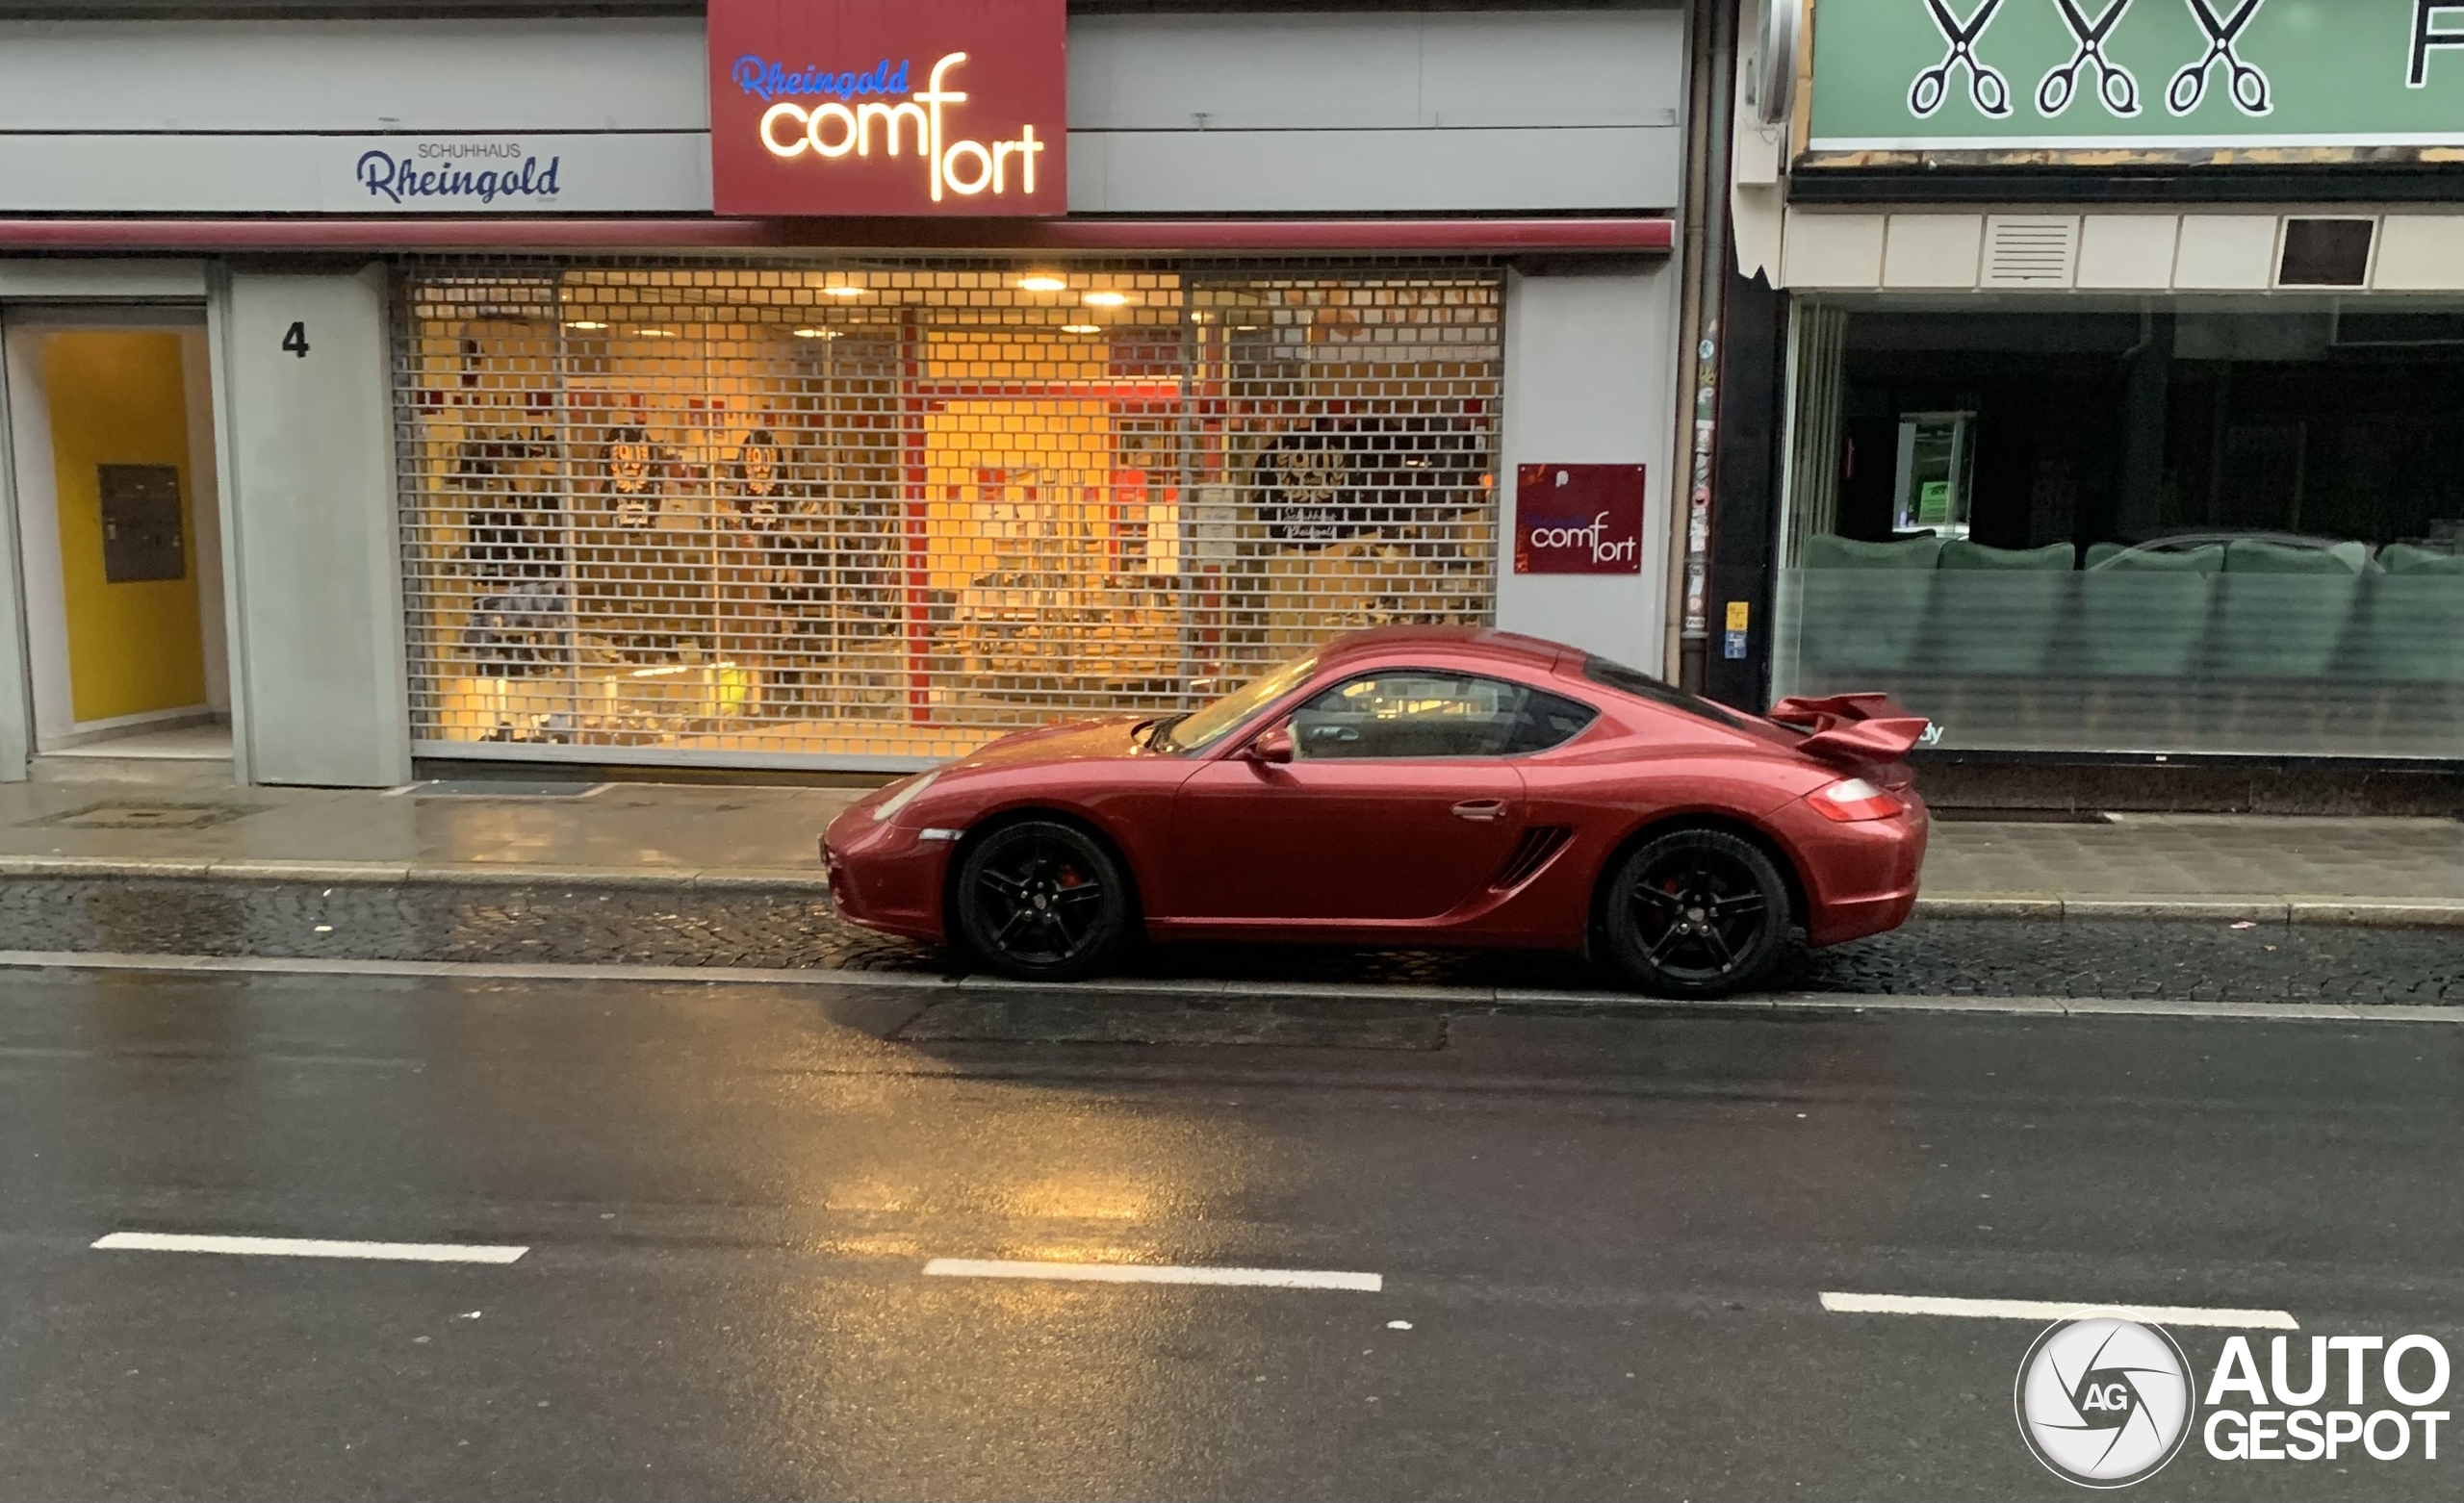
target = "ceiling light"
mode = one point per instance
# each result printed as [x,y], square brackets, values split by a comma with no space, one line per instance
[1082,328]
[816,334]
[1107,299]
[657,334]
[845,291]
[1043,282]
[585,324]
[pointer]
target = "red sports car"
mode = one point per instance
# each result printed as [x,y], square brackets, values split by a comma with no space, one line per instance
[1419,787]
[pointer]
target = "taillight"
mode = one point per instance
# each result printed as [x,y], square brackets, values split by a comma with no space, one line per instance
[1853,798]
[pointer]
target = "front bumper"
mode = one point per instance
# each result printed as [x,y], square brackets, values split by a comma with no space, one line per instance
[886,876]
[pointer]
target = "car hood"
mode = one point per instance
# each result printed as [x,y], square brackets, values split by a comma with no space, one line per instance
[1077,741]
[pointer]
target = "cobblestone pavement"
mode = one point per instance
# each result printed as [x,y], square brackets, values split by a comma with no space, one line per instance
[2133,958]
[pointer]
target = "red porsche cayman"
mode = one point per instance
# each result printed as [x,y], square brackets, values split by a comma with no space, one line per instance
[1422,787]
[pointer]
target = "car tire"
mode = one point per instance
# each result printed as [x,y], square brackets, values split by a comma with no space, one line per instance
[1696,913]
[1040,900]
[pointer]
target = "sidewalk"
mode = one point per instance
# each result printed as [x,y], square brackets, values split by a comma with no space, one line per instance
[2225,867]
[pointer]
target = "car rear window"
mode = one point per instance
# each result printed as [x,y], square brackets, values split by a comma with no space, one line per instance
[1642,685]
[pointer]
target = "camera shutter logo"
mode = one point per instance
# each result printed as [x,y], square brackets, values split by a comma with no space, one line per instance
[2104,1401]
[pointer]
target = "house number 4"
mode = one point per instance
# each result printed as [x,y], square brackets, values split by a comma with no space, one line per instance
[296,338]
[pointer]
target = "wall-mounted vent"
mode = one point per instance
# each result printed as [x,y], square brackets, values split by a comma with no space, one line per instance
[2031,251]
[2325,253]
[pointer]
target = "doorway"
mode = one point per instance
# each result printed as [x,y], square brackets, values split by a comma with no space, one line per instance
[118,520]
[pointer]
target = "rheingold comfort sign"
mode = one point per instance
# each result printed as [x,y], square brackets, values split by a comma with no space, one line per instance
[917,108]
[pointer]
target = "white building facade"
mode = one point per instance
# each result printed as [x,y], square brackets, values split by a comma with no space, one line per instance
[389,389]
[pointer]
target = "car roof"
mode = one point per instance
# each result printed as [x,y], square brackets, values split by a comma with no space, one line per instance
[1532,654]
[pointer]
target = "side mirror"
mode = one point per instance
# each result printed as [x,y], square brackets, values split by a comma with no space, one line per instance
[1273,748]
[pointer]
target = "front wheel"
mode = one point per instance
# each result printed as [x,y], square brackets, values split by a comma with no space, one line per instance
[1696,913]
[1040,900]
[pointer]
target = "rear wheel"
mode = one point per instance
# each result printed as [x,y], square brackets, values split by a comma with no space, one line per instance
[1696,913]
[1040,900]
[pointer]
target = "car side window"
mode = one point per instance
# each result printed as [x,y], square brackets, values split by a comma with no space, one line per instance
[1548,720]
[1422,713]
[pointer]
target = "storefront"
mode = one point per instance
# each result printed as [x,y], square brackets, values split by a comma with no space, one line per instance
[670,394]
[2116,377]
[880,509]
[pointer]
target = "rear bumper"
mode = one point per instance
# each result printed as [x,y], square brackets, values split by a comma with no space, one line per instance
[1861,877]
[1855,918]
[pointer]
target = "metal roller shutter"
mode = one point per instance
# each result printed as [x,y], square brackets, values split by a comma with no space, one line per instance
[875,513]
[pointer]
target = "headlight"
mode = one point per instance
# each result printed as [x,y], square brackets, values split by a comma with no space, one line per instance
[888,808]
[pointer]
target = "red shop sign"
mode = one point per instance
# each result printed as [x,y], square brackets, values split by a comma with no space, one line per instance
[1578,519]
[889,107]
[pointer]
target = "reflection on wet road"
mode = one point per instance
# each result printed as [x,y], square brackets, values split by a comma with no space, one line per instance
[1599,1241]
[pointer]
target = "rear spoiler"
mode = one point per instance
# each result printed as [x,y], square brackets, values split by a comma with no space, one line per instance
[1853,728]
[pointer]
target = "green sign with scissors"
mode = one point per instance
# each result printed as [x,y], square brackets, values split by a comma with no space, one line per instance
[2158,75]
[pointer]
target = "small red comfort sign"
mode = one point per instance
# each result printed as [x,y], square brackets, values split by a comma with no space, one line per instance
[1578,519]
[918,108]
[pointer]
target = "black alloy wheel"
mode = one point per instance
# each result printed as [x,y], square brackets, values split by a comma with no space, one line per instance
[1040,900]
[1696,913]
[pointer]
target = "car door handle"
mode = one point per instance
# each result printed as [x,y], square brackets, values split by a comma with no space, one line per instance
[1482,810]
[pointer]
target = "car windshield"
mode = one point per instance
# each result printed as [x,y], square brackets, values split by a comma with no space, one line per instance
[1210,723]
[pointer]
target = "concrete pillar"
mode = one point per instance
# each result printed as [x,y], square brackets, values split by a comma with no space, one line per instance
[313,577]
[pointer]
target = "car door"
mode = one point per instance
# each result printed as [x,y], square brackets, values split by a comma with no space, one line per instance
[1398,803]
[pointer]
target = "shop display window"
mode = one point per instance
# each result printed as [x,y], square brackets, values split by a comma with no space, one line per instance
[2152,528]
[883,512]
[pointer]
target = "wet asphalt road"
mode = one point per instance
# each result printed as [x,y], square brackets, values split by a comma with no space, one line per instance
[2208,960]
[1609,1235]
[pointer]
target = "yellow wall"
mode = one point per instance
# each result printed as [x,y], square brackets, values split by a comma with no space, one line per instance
[119,399]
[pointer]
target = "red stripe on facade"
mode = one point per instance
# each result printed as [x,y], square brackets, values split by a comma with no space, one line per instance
[1200,235]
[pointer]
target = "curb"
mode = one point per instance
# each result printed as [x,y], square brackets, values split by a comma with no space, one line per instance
[792,882]
[2367,912]
[789,882]
[1503,998]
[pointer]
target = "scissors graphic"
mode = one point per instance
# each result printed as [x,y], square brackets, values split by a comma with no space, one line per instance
[2249,85]
[2114,83]
[1985,85]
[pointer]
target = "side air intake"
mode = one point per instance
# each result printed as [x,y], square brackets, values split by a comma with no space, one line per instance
[1530,854]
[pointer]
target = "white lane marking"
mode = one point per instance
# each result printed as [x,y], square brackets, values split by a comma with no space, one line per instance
[2055,1310]
[1153,1273]
[310,1247]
